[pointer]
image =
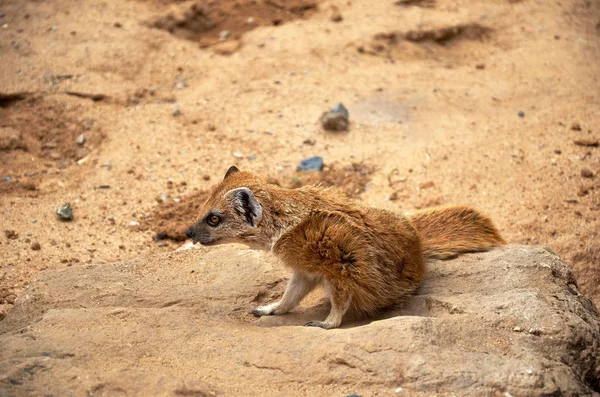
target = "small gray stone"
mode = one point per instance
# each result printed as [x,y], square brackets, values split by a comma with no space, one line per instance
[311,164]
[336,119]
[7,178]
[176,112]
[521,113]
[340,108]
[65,212]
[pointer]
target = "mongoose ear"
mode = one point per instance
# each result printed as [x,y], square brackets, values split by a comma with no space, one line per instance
[232,170]
[245,204]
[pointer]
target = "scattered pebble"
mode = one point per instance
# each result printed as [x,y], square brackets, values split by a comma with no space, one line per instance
[251,20]
[399,390]
[336,15]
[521,113]
[575,126]
[2,15]
[583,191]
[310,142]
[133,224]
[176,111]
[162,197]
[7,178]
[252,157]
[161,235]
[480,66]
[65,212]
[311,164]
[393,196]
[587,142]
[111,219]
[535,331]
[587,173]
[80,140]
[180,84]
[36,246]
[237,155]
[224,35]
[336,119]
[426,185]
[34,220]
[517,329]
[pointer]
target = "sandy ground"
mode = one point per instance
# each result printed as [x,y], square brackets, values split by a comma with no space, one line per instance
[492,104]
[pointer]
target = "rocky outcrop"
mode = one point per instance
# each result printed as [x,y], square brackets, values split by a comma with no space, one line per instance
[507,322]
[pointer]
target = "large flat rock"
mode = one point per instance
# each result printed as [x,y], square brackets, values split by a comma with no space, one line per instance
[507,322]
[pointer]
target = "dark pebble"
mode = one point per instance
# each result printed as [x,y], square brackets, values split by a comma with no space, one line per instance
[311,164]
[336,119]
[521,113]
[161,235]
[587,173]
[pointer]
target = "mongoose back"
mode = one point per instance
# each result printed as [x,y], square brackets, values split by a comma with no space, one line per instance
[367,259]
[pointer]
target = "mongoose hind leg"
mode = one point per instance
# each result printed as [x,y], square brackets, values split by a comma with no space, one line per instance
[298,287]
[340,302]
[332,247]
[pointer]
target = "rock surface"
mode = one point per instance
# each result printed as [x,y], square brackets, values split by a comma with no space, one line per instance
[508,321]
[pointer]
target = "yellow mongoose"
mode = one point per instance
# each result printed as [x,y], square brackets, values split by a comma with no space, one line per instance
[366,258]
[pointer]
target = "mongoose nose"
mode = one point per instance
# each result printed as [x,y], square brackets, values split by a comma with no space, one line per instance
[190,233]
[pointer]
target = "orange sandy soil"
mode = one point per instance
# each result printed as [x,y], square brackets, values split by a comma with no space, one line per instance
[165,92]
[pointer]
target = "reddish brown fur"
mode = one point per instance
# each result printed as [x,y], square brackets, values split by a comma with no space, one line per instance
[367,258]
[447,232]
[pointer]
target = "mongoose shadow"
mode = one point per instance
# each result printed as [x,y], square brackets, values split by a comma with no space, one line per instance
[366,259]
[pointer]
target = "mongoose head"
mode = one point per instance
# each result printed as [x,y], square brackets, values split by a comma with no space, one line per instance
[231,214]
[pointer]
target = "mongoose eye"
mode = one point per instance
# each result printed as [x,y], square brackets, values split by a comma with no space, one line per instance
[213,220]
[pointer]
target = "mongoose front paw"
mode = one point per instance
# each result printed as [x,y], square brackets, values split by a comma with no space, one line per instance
[320,324]
[263,311]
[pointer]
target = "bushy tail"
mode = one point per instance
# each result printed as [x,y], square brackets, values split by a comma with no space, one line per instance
[448,232]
